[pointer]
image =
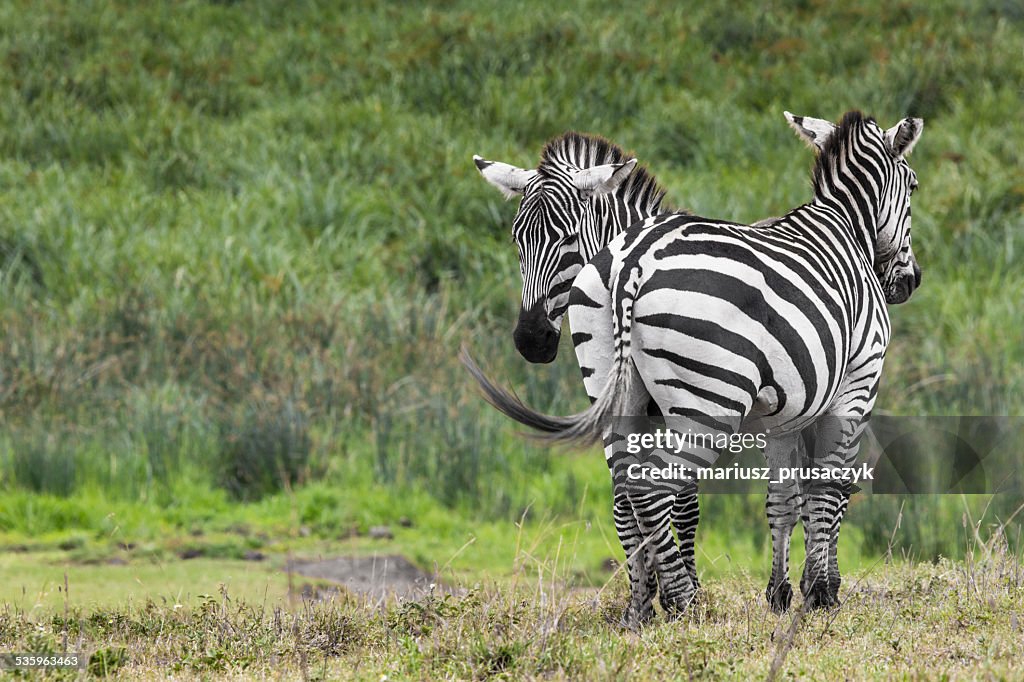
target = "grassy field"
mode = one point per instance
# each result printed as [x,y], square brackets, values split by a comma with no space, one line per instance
[947,620]
[241,243]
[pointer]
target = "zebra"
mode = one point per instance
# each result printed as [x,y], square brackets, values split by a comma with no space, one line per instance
[585,191]
[785,326]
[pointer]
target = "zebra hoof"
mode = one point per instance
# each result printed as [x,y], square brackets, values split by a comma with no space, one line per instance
[634,619]
[695,581]
[676,607]
[779,596]
[674,611]
[821,597]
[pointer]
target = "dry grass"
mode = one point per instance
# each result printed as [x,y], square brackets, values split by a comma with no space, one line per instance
[957,620]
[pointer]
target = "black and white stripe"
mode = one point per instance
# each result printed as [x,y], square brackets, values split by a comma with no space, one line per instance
[784,327]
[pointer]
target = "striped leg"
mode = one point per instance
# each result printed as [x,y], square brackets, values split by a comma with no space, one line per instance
[698,415]
[782,506]
[656,501]
[639,556]
[685,518]
[639,564]
[653,500]
[825,504]
[592,335]
[834,579]
[653,508]
[821,579]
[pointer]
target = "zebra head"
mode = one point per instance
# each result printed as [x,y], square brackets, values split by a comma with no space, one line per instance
[879,162]
[562,221]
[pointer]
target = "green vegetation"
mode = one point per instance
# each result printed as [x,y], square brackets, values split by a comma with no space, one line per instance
[931,621]
[241,242]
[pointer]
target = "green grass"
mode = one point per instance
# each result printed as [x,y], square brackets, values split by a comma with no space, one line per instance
[464,550]
[240,244]
[950,620]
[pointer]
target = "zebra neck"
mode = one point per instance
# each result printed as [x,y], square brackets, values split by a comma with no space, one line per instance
[855,215]
[612,216]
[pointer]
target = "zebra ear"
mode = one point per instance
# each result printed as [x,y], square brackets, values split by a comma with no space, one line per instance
[904,135]
[602,179]
[508,179]
[815,131]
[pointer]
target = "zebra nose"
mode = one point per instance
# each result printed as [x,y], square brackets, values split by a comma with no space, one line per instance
[535,338]
[917,275]
[539,346]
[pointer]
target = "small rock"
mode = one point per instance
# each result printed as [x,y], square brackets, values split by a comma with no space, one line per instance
[116,561]
[253,555]
[191,553]
[381,533]
[405,522]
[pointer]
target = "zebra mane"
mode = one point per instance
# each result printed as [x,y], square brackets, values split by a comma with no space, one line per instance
[582,150]
[835,146]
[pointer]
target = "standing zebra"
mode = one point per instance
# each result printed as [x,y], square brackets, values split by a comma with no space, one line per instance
[584,192]
[785,326]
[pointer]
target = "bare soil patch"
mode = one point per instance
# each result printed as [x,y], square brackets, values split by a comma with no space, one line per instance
[375,577]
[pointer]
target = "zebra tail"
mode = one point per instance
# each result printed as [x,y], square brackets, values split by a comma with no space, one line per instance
[581,429]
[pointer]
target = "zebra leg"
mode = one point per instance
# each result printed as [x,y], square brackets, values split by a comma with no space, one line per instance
[639,564]
[592,334]
[653,509]
[660,503]
[653,500]
[782,507]
[836,445]
[685,518]
[639,556]
[640,548]
[821,580]
[834,578]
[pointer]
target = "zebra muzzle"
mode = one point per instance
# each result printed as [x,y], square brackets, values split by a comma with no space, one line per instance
[535,338]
